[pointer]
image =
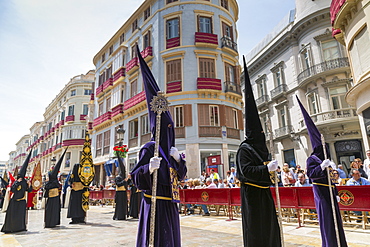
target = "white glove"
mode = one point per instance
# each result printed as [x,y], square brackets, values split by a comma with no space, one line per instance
[338,199]
[333,165]
[324,164]
[273,165]
[174,152]
[154,163]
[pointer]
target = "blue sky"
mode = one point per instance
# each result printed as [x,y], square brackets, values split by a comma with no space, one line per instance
[44,43]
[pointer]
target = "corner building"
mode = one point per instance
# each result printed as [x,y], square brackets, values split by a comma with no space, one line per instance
[350,20]
[191,49]
[300,57]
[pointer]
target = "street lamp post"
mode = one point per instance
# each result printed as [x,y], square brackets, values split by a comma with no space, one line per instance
[120,134]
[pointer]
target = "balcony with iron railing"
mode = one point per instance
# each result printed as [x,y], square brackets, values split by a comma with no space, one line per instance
[147,53]
[108,84]
[283,131]
[263,100]
[133,142]
[132,65]
[119,75]
[134,100]
[210,131]
[278,91]
[70,118]
[232,87]
[332,116]
[317,69]
[226,42]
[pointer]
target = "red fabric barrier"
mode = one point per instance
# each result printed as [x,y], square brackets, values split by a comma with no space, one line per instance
[353,198]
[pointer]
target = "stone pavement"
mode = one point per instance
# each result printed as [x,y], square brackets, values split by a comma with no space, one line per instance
[196,231]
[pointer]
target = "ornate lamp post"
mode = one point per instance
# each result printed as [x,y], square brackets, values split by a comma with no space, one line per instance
[120,134]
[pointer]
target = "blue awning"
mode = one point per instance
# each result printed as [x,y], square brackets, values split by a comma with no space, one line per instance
[109,166]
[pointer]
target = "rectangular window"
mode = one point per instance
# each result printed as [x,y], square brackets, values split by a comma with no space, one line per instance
[178,116]
[71,110]
[108,73]
[171,1]
[227,31]
[106,142]
[313,104]
[337,96]
[204,24]
[305,57]
[107,104]
[134,25]
[122,38]
[133,125]
[73,92]
[68,160]
[103,58]
[133,51]
[173,28]
[85,110]
[87,92]
[261,89]
[282,115]
[235,119]
[110,50]
[146,40]
[224,3]
[118,60]
[278,78]
[207,68]
[173,70]
[229,73]
[330,50]
[101,109]
[145,126]
[133,91]
[62,115]
[146,13]
[213,115]
[99,144]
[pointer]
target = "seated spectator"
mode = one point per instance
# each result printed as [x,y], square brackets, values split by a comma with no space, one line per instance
[183,185]
[341,172]
[302,181]
[190,183]
[229,177]
[221,183]
[287,177]
[337,179]
[197,184]
[357,164]
[227,184]
[298,171]
[357,179]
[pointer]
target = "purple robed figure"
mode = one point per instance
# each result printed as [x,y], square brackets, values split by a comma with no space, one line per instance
[171,169]
[319,177]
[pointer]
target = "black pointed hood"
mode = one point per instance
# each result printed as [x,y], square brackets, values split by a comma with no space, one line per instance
[53,175]
[23,170]
[4,183]
[254,134]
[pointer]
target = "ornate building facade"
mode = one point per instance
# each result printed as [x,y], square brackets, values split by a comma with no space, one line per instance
[350,20]
[191,49]
[301,58]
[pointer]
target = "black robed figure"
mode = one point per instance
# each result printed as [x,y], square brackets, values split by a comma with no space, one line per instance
[260,224]
[53,203]
[15,219]
[135,199]
[75,210]
[81,176]
[120,211]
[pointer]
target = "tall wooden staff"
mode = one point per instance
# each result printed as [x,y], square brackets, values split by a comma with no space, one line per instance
[158,104]
[276,184]
[331,193]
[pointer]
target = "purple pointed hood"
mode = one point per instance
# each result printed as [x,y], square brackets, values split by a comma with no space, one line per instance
[254,134]
[314,134]
[167,135]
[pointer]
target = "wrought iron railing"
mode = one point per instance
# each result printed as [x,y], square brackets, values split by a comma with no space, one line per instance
[227,42]
[232,87]
[322,67]
[331,115]
[278,90]
[261,100]
[283,131]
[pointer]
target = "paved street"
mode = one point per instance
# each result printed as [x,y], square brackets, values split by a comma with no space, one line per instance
[196,230]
